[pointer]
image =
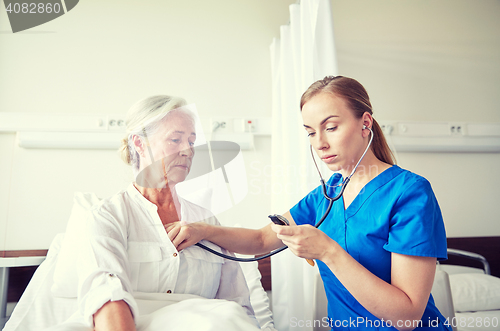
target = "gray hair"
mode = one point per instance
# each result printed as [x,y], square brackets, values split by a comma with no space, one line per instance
[144,119]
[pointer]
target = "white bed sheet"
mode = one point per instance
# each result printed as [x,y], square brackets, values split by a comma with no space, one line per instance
[179,312]
[38,309]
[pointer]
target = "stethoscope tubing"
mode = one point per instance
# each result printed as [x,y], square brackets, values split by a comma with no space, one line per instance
[253,259]
[240,259]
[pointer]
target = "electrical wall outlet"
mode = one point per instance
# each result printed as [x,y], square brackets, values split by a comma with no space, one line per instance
[115,123]
[457,129]
[387,129]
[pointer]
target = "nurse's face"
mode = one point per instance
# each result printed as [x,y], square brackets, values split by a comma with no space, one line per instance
[334,132]
[173,143]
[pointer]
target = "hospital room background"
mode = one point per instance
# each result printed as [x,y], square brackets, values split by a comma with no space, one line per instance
[422,61]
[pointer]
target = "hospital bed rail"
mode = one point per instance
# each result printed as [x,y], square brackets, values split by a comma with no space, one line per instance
[471,256]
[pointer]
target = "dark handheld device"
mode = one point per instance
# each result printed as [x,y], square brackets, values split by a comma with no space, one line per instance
[278,219]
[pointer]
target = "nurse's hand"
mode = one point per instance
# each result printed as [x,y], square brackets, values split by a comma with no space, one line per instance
[185,235]
[306,241]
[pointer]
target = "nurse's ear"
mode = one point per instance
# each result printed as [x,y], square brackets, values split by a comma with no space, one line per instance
[367,124]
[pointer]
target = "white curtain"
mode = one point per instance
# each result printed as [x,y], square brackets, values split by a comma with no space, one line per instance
[304,53]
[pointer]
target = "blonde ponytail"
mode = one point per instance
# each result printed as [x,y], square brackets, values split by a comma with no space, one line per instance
[124,151]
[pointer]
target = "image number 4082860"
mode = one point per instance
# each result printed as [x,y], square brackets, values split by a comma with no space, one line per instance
[26,14]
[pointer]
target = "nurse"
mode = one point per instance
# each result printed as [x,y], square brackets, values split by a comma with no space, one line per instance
[378,247]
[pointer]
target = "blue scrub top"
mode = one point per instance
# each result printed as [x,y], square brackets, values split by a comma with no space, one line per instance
[395,212]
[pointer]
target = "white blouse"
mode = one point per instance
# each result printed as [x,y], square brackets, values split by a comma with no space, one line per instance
[128,250]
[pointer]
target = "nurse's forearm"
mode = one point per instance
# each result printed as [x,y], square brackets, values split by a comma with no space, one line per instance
[243,241]
[384,300]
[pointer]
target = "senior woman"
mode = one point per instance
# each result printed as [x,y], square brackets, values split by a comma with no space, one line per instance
[128,249]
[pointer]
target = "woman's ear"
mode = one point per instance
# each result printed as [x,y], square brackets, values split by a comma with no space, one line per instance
[139,145]
[367,124]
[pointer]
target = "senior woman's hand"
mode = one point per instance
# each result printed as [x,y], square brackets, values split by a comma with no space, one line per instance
[185,235]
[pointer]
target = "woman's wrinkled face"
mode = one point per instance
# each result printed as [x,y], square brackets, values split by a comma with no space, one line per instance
[172,149]
[333,131]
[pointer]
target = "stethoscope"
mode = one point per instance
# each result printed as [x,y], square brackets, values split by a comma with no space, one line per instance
[278,219]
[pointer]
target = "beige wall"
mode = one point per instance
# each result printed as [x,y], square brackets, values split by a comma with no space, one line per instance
[419,59]
[103,56]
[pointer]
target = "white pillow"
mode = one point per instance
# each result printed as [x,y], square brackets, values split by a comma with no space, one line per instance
[65,274]
[475,292]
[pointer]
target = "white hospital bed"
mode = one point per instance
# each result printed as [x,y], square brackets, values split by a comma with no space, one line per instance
[38,308]
[468,297]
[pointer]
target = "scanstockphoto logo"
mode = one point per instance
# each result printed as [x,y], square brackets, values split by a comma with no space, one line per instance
[27,14]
